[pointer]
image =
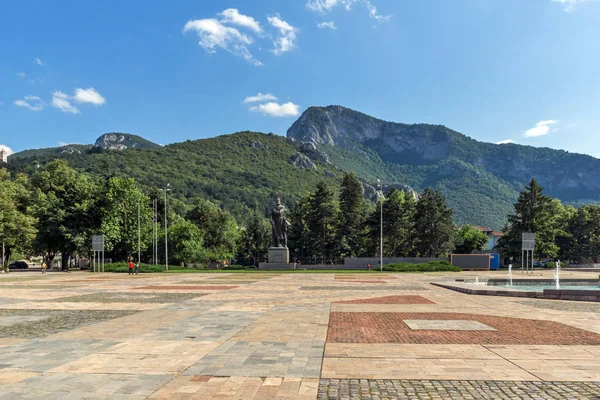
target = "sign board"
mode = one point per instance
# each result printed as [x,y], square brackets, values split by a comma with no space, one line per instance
[98,243]
[528,241]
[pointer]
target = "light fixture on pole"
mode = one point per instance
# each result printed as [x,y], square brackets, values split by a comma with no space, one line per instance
[166,189]
[381,229]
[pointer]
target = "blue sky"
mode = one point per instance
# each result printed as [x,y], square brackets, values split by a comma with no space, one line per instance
[521,70]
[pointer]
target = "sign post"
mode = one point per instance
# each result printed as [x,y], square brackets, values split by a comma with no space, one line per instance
[527,248]
[98,249]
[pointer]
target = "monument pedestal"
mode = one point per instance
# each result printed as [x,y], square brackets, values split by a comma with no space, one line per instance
[279,258]
[279,255]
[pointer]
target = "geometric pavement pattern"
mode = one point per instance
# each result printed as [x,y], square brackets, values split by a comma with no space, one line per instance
[274,335]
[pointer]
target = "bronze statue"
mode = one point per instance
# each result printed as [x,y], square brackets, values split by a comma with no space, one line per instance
[279,224]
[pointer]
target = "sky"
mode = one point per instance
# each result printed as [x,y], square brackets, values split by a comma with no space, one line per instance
[495,70]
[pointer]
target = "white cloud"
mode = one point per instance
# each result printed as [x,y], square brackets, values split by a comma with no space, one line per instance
[259,98]
[21,75]
[32,103]
[273,109]
[327,25]
[89,95]
[233,16]
[8,150]
[324,6]
[38,61]
[213,34]
[506,141]
[541,128]
[569,4]
[61,101]
[287,41]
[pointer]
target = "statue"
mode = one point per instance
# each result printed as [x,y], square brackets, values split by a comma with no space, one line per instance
[279,224]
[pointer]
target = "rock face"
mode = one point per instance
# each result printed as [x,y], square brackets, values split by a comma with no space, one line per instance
[311,150]
[122,141]
[564,175]
[302,161]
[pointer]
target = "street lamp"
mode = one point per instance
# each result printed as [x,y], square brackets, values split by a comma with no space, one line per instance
[166,189]
[381,229]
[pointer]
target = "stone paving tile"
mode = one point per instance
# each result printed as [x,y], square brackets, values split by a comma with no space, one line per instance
[128,297]
[389,300]
[185,287]
[368,389]
[43,355]
[84,386]
[390,328]
[261,359]
[332,288]
[563,305]
[52,321]
[432,351]
[238,387]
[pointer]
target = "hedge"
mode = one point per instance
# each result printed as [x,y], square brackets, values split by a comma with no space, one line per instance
[432,266]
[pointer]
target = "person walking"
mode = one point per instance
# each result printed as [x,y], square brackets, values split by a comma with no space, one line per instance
[130,267]
[137,268]
[44,266]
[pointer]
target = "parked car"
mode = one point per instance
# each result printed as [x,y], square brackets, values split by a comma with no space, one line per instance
[18,265]
[539,264]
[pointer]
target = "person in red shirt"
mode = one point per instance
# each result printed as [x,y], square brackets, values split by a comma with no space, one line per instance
[130,267]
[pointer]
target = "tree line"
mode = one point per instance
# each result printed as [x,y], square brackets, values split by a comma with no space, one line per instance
[57,209]
[562,231]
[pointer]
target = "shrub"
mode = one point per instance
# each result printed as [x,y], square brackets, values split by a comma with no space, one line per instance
[552,265]
[432,266]
[121,267]
[234,267]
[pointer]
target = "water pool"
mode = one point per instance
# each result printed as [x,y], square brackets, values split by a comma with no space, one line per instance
[540,288]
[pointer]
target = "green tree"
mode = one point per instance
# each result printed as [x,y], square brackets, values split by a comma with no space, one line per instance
[434,225]
[186,243]
[585,232]
[468,239]
[65,205]
[352,216]
[255,240]
[17,226]
[321,219]
[298,234]
[219,229]
[535,213]
[398,224]
[119,216]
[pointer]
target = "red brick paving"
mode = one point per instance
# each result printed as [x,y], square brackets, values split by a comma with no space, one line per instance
[389,300]
[182,287]
[349,327]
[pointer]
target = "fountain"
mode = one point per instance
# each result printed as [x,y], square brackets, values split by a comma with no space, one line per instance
[477,280]
[557,274]
[510,281]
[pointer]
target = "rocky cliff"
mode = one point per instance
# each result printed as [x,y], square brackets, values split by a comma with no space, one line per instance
[571,177]
[122,141]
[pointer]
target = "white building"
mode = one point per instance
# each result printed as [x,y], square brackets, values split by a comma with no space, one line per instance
[3,156]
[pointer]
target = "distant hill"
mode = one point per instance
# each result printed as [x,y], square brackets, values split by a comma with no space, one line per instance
[247,170]
[481,180]
[241,172]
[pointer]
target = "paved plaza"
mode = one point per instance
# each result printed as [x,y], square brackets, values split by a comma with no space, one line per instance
[258,336]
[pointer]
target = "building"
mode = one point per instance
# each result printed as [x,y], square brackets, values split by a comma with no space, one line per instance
[492,235]
[3,156]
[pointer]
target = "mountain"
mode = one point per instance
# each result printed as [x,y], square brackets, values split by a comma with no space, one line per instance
[480,180]
[247,170]
[241,172]
[122,141]
[109,141]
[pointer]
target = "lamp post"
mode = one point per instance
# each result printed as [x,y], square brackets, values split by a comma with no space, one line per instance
[381,229]
[166,189]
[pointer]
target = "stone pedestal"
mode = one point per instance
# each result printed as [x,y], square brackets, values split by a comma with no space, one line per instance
[279,255]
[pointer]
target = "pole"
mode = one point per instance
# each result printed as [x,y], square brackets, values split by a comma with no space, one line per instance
[381,231]
[166,233]
[139,233]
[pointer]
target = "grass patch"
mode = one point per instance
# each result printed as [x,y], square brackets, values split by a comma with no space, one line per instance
[433,266]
